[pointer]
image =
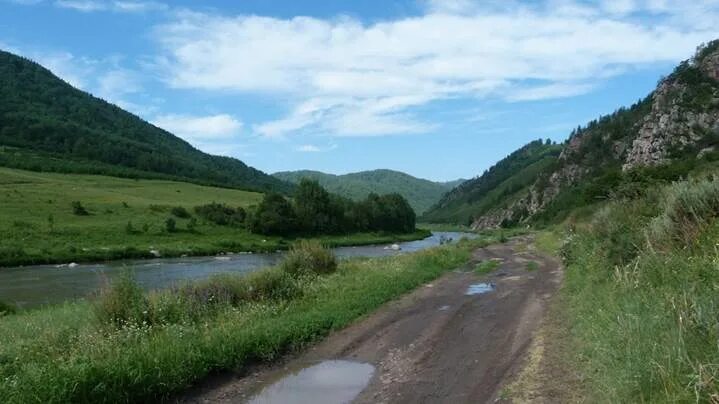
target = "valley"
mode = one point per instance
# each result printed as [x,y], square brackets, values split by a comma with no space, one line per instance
[144,258]
[128,219]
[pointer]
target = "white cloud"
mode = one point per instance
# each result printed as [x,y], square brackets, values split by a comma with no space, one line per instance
[117,82]
[309,148]
[196,129]
[81,5]
[65,65]
[559,90]
[117,6]
[346,78]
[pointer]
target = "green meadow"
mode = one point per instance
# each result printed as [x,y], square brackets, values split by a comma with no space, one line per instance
[125,218]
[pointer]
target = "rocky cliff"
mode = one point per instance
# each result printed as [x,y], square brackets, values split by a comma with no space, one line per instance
[679,120]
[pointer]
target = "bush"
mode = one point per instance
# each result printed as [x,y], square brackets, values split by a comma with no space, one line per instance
[6,309]
[221,214]
[309,257]
[198,300]
[78,209]
[689,206]
[191,225]
[123,303]
[274,216]
[170,225]
[180,212]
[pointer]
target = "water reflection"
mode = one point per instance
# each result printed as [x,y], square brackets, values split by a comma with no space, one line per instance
[329,382]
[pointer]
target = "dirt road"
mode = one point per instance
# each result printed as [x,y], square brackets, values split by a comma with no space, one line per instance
[437,344]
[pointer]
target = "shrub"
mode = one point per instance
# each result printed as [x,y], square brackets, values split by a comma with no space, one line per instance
[689,206]
[198,300]
[180,212]
[170,225]
[274,216]
[6,309]
[123,303]
[78,209]
[129,228]
[191,224]
[221,214]
[309,257]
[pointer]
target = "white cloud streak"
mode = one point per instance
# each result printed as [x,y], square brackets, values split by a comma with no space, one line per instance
[347,78]
[129,6]
[196,129]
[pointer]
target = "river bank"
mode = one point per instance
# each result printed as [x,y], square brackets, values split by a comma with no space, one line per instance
[35,286]
[181,245]
[62,353]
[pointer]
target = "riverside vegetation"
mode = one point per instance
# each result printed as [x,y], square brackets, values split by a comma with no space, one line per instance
[641,286]
[128,345]
[59,218]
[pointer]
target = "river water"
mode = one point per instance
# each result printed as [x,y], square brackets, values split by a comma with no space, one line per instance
[34,286]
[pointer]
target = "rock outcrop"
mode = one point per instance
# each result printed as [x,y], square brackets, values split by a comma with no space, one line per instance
[682,120]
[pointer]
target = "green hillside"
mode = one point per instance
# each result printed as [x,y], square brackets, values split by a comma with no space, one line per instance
[125,218]
[499,183]
[420,193]
[662,138]
[51,126]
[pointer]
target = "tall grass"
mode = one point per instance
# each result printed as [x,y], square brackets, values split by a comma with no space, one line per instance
[64,354]
[309,257]
[648,317]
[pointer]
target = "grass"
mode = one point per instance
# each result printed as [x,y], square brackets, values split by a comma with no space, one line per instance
[548,241]
[641,287]
[66,354]
[486,267]
[125,218]
[532,266]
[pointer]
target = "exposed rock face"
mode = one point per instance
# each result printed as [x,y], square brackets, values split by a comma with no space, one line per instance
[675,122]
[672,124]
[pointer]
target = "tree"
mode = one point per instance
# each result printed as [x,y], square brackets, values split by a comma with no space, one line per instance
[274,216]
[314,209]
[170,225]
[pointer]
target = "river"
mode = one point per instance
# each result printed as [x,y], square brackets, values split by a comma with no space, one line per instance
[38,285]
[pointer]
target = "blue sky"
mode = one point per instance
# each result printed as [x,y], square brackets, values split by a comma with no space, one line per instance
[438,89]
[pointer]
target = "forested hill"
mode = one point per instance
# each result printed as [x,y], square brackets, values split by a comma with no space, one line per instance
[420,193]
[47,125]
[502,181]
[667,135]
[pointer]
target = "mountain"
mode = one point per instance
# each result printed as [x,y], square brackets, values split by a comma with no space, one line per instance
[47,125]
[506,179]
[420,193]
[671,132]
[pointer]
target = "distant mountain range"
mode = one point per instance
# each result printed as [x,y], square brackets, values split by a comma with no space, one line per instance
[672,132]
[420,193]
[47,125]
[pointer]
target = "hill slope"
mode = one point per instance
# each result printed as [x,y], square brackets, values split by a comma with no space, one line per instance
[52,126]
[659,139]
[502,181]
[420,193]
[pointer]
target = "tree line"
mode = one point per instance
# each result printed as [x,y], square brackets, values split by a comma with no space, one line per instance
[313,210]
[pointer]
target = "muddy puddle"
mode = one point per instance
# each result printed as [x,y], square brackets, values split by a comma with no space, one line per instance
[329,382]
[479,288]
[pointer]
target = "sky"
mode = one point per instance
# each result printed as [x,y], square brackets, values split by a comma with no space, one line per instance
[440,89]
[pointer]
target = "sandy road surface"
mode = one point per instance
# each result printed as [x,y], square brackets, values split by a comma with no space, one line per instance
[436,344]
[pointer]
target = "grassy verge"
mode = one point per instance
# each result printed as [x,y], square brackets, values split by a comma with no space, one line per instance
[486,267]
[444,227]
[641,288]
[126,218]
[65,354]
